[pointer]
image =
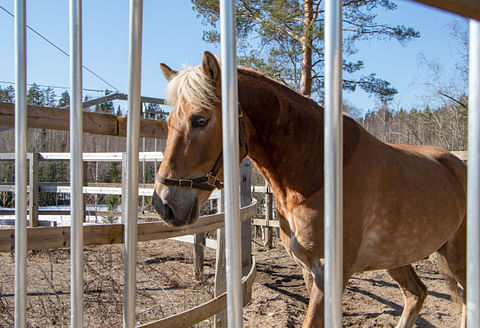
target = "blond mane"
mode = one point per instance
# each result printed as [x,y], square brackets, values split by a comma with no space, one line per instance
[192,86]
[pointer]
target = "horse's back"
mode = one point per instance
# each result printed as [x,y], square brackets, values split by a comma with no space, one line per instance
[413,201]
[455,166]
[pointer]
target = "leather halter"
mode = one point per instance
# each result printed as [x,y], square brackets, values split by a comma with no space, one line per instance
[210,180]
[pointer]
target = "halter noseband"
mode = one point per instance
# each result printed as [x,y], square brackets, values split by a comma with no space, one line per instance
[210,180]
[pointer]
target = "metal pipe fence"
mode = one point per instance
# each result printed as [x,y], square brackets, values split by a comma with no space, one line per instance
[230,164]
[333,164]
[20,165]
[133,135]
[473,194]
[76,165]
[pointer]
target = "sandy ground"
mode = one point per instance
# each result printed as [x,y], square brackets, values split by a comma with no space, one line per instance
[166,285]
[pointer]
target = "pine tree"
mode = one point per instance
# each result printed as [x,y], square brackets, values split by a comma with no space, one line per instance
[106,107]
[7,94]
[284,39]
[35,96]
[64,100]
[49,97]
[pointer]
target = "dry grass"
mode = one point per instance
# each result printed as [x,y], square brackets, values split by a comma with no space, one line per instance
[165,284]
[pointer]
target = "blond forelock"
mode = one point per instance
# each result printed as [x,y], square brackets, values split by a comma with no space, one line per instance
[193,87]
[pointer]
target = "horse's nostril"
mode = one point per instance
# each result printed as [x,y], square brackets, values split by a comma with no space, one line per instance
[169,213]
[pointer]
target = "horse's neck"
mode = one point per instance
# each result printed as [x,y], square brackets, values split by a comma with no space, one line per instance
[285,135]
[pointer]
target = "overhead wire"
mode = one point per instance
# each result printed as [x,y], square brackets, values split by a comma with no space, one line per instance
[61,50]
[52,86]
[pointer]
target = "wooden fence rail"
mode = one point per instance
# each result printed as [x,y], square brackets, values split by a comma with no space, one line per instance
[104,234]
[96,123]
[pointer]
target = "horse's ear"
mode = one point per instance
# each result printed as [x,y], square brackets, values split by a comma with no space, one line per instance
[167,71]
[210,66]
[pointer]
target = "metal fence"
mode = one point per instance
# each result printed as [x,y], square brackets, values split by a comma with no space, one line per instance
[473,192]
[333,163]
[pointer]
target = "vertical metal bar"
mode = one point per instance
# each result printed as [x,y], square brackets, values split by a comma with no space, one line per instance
[76,165]
[133,137]
[473,209]
[20,165]
[333,284]
[231,163]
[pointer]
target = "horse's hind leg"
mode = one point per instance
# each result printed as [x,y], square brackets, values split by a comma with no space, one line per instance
[414,293]
[308,278]
[452,260]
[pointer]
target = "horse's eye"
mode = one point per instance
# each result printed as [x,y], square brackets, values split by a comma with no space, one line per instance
[199,122]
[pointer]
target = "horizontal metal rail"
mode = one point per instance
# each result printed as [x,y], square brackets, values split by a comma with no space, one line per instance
[120,96]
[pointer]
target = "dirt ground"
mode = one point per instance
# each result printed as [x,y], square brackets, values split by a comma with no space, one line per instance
[166,285]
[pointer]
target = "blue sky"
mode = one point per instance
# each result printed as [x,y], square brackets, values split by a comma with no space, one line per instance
[173,34]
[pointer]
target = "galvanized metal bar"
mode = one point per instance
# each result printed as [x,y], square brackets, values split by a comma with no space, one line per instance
[133,137]
[76,165]
[118,96]
[231,164]
[473,208]
[20,165]
[333,283]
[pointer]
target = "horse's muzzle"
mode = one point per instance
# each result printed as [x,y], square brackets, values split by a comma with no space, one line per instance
[168,214]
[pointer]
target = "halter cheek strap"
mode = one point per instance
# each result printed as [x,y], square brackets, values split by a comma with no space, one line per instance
[207,182]
[210,180]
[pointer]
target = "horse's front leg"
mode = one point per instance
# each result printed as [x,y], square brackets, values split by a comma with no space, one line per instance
[315,311]
[314,316]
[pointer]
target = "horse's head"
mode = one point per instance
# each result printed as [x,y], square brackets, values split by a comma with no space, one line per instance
[192,162]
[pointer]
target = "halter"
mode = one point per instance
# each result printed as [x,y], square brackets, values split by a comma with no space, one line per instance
[210,180]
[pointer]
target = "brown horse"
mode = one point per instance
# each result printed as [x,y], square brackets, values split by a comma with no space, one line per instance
[401,203]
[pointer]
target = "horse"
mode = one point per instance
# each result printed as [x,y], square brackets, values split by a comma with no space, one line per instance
[401,203]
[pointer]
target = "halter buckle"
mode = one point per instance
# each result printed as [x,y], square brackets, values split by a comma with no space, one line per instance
[189,183]
[211,179]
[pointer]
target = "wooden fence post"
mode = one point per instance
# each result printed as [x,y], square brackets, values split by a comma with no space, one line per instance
[34,188]
[124,185]
[220,319]
[267,231]
[85,196]
[199,255]
[245,200]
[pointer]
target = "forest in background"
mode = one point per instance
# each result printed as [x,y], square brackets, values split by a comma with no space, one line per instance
[288,46]
[42,140]
[445,126]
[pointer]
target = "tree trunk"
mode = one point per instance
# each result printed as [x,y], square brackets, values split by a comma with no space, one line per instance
[307,48]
